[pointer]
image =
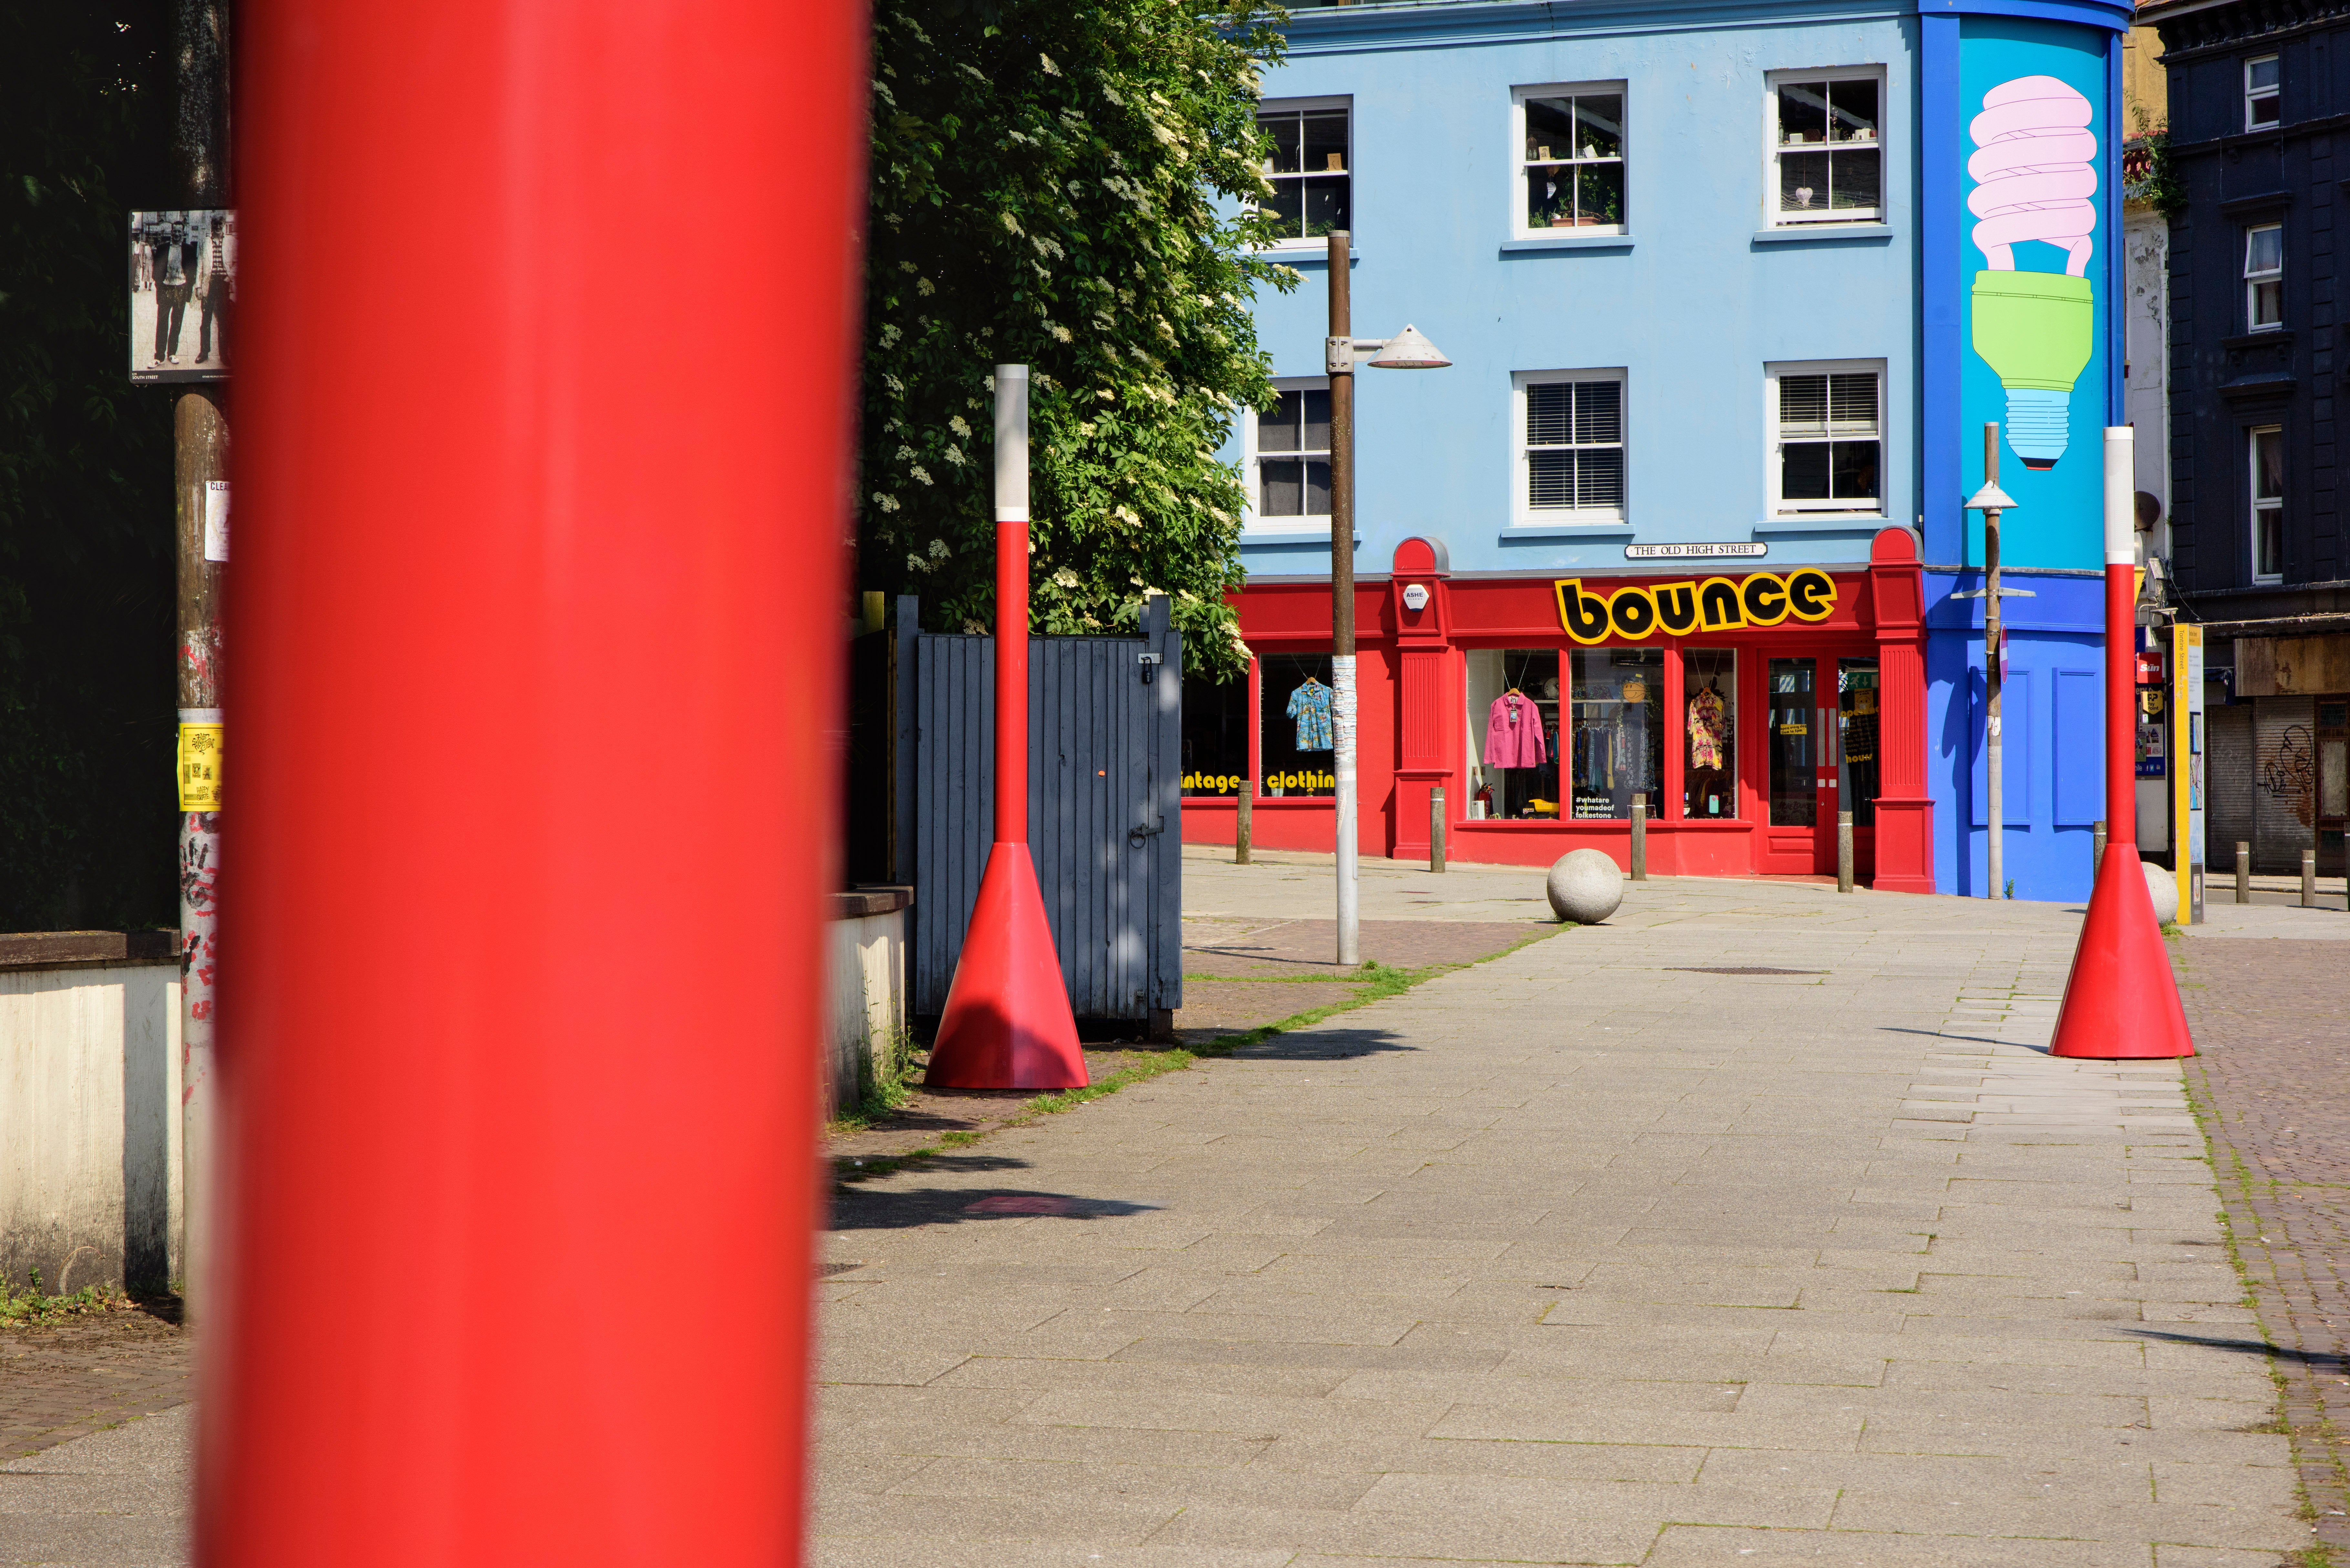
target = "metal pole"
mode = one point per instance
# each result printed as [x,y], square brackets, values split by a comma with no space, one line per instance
[1243,821]
[2309,878]
[1994,760]
[1012,604]
[199,135]
[2243,872]
[1339,360]
[1639,835]
[2097,850]
[1436,828]
[463,667]
[1843,852]
[2121,631]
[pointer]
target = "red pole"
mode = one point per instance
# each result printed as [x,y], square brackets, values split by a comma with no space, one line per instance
[1012,604]
[1006,1024]
[2121,999]
[550,315]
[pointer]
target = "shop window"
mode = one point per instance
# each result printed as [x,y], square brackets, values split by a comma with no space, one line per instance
[2264,277]
[1215,735]
[1613,737]
[2268,504]
[1827,426]
[1571,154]
[1795,782]
[1295,726]
[1288,457]
[1710,772]
[1857,740]
[1829,164]
[1310,166]
[1570,429]
[2262,102]
[1514,711]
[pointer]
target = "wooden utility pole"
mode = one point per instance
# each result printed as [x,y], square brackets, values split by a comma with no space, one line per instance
[200,157]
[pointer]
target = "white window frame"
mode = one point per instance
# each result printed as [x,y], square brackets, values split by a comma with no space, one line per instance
[1523,513]
[1255,523]
[2254,280]
[1774,475]
[1316,245]
[1771,81]
[1519,227]
[2272,94]
[2263,506]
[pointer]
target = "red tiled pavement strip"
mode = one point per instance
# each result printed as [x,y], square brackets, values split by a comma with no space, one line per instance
[2272,1022]
[76,1377]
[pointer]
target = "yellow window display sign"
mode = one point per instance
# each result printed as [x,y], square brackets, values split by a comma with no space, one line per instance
[200,767]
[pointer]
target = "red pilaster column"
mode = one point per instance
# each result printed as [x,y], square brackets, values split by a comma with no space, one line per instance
[540,493]
[1905,815]
[1424,657]
[1676,751]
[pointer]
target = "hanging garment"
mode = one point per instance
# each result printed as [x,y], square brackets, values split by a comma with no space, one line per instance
[1310,706]
[1513,733]
[1709,730]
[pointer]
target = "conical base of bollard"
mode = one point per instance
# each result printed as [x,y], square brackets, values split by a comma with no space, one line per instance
[2121,1002]
[1007,1023]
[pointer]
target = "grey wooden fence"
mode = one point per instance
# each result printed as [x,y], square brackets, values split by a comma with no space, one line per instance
[1104,753]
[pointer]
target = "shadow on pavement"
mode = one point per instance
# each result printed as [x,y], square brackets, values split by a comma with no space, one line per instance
[867,1209]
[2248,1347]
[1324,1046]
[1977,1039]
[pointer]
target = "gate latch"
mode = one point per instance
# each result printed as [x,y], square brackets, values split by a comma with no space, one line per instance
[1149,662]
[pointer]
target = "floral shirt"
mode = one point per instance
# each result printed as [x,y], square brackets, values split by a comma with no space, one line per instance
[1310,706]
[1706,731]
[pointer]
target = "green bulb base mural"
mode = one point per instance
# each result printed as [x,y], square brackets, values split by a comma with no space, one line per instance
[2033,328]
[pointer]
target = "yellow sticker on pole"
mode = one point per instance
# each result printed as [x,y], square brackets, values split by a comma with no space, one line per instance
[200,767]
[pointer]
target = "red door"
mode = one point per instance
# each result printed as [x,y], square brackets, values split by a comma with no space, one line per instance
[1799,782]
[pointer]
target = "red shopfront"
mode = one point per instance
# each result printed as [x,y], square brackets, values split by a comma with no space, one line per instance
[1749,707]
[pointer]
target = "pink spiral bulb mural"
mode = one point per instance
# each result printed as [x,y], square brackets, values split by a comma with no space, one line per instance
[2035,171]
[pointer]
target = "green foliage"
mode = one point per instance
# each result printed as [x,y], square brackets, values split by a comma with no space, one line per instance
[32,1306]
[87,818]
[1068,184]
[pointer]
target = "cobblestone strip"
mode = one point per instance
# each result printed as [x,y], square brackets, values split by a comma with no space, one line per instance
[66,1381]
[2271,1020]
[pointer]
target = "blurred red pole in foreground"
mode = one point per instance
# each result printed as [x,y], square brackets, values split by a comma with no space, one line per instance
[546,315]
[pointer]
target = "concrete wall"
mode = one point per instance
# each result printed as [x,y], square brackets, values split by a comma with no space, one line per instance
[869,992]
[89,1124]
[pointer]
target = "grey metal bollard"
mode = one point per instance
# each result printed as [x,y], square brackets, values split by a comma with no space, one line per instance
[2097,850]
[1843,852]
[2309,878]
[1243,821]
[2243,872]
[1436,828]
[1641,836]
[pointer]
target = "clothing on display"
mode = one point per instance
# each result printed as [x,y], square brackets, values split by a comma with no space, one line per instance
[1513,733]
[1708,729]
[1310,706]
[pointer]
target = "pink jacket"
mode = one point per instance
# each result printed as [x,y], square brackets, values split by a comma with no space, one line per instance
[1514,734]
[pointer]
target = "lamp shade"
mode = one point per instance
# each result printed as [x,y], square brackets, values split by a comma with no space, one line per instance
[1988,497]
[1408,350]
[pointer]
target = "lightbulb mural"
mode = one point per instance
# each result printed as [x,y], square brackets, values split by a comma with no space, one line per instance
[2035,171]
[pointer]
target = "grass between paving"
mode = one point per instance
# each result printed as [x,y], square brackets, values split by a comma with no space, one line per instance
[2320,1447]
[1374,982]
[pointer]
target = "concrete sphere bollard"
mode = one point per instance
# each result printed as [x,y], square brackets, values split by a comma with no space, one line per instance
[2163,887]
[1586,887]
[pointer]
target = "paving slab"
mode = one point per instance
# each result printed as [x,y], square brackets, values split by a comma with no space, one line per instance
[1589,1254]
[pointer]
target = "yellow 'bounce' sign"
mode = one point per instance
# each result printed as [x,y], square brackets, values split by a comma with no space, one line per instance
[1716,604]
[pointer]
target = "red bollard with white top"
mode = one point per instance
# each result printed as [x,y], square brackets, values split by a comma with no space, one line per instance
[1007,1022]
[2121,1002]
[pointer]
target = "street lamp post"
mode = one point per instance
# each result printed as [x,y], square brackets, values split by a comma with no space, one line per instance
[1992,501]
[1408,350]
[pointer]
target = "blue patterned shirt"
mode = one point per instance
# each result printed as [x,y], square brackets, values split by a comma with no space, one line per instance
[1310,706]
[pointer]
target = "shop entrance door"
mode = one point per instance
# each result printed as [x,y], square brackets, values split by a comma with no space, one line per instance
[1819,758]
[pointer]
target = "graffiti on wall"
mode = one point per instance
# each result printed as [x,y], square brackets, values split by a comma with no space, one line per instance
[2289,772]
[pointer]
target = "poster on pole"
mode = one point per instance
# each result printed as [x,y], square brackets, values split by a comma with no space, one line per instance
[182,292]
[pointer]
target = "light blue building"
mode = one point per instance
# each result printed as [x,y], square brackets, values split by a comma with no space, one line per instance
[1716,302]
